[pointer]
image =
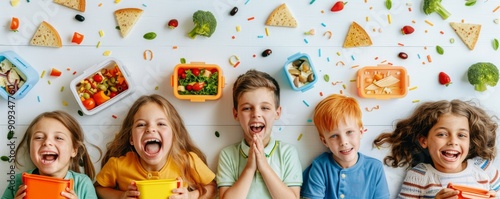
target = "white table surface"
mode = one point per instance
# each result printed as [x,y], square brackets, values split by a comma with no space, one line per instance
[203,119]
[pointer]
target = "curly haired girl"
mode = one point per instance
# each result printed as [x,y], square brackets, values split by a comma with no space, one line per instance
[444,142]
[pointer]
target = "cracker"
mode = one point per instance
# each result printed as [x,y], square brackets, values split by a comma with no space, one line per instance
[281,16]
[386,81]
[46,35]
[74,4]
[468,33]
[357,37]
[127,18]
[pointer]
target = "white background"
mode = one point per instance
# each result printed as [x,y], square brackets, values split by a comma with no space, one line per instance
[203,119]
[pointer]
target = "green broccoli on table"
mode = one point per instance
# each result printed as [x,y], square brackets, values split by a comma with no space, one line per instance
[431,6]
[204,24]
[482,74]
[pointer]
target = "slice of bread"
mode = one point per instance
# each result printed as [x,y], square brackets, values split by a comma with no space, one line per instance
[469,33]
[281,16]
[126,18]
[357,37]
[74,4]
[46,35]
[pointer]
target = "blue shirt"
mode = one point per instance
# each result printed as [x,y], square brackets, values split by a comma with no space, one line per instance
[324,178]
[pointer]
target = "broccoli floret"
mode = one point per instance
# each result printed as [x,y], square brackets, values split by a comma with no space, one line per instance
[204,24]
[431,6]
[482,74]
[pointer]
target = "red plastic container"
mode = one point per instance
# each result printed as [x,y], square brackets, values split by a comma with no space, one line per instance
[40,186]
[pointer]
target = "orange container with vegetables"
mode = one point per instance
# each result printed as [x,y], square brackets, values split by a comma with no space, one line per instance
[101,85]
[382,82]
[197,81]
[45,186]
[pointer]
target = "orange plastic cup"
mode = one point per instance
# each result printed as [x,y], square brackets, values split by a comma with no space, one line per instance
[153,189]
[40,186]
[469,192]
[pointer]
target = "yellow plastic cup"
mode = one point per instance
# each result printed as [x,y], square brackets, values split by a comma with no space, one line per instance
[154,189]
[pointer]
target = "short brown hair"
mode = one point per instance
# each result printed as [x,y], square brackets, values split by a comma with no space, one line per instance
[253,80]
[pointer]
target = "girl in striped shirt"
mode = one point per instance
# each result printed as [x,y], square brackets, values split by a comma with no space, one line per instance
[444,142]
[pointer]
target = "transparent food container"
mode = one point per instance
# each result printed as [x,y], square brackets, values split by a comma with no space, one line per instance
[102,85]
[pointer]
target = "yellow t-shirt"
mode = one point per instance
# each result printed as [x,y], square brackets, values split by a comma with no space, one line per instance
[118,172]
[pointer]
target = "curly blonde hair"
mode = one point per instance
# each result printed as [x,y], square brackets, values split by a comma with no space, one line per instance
[406,150]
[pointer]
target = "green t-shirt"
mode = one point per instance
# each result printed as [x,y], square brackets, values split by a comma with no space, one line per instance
[282,157]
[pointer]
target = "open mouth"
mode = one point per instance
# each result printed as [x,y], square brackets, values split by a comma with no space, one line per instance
[152,146]
[49,157]
[257,128]
[450,154]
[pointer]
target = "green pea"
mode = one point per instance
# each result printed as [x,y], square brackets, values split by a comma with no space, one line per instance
[5,158]
[10,135]
[217,134]
[150,36]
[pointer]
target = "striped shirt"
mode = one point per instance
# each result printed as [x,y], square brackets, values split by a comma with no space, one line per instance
[424,181]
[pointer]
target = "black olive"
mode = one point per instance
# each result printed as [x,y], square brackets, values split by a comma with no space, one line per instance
[266,52]
[233,11]
[79,18]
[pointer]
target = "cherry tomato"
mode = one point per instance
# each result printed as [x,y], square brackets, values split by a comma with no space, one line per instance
[213,70]
[97,78]
[14,24]
[181,71]
[77,38]
[189,87]
[195,71]
[89,103]
[198,86]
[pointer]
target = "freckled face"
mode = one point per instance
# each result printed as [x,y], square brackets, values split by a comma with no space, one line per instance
[51,148]
[152,136]
[257,113]
[343,142]
[448,143]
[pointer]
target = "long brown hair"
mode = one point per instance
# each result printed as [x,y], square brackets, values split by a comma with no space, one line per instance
[77,138]
[181,142]
[406,150]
